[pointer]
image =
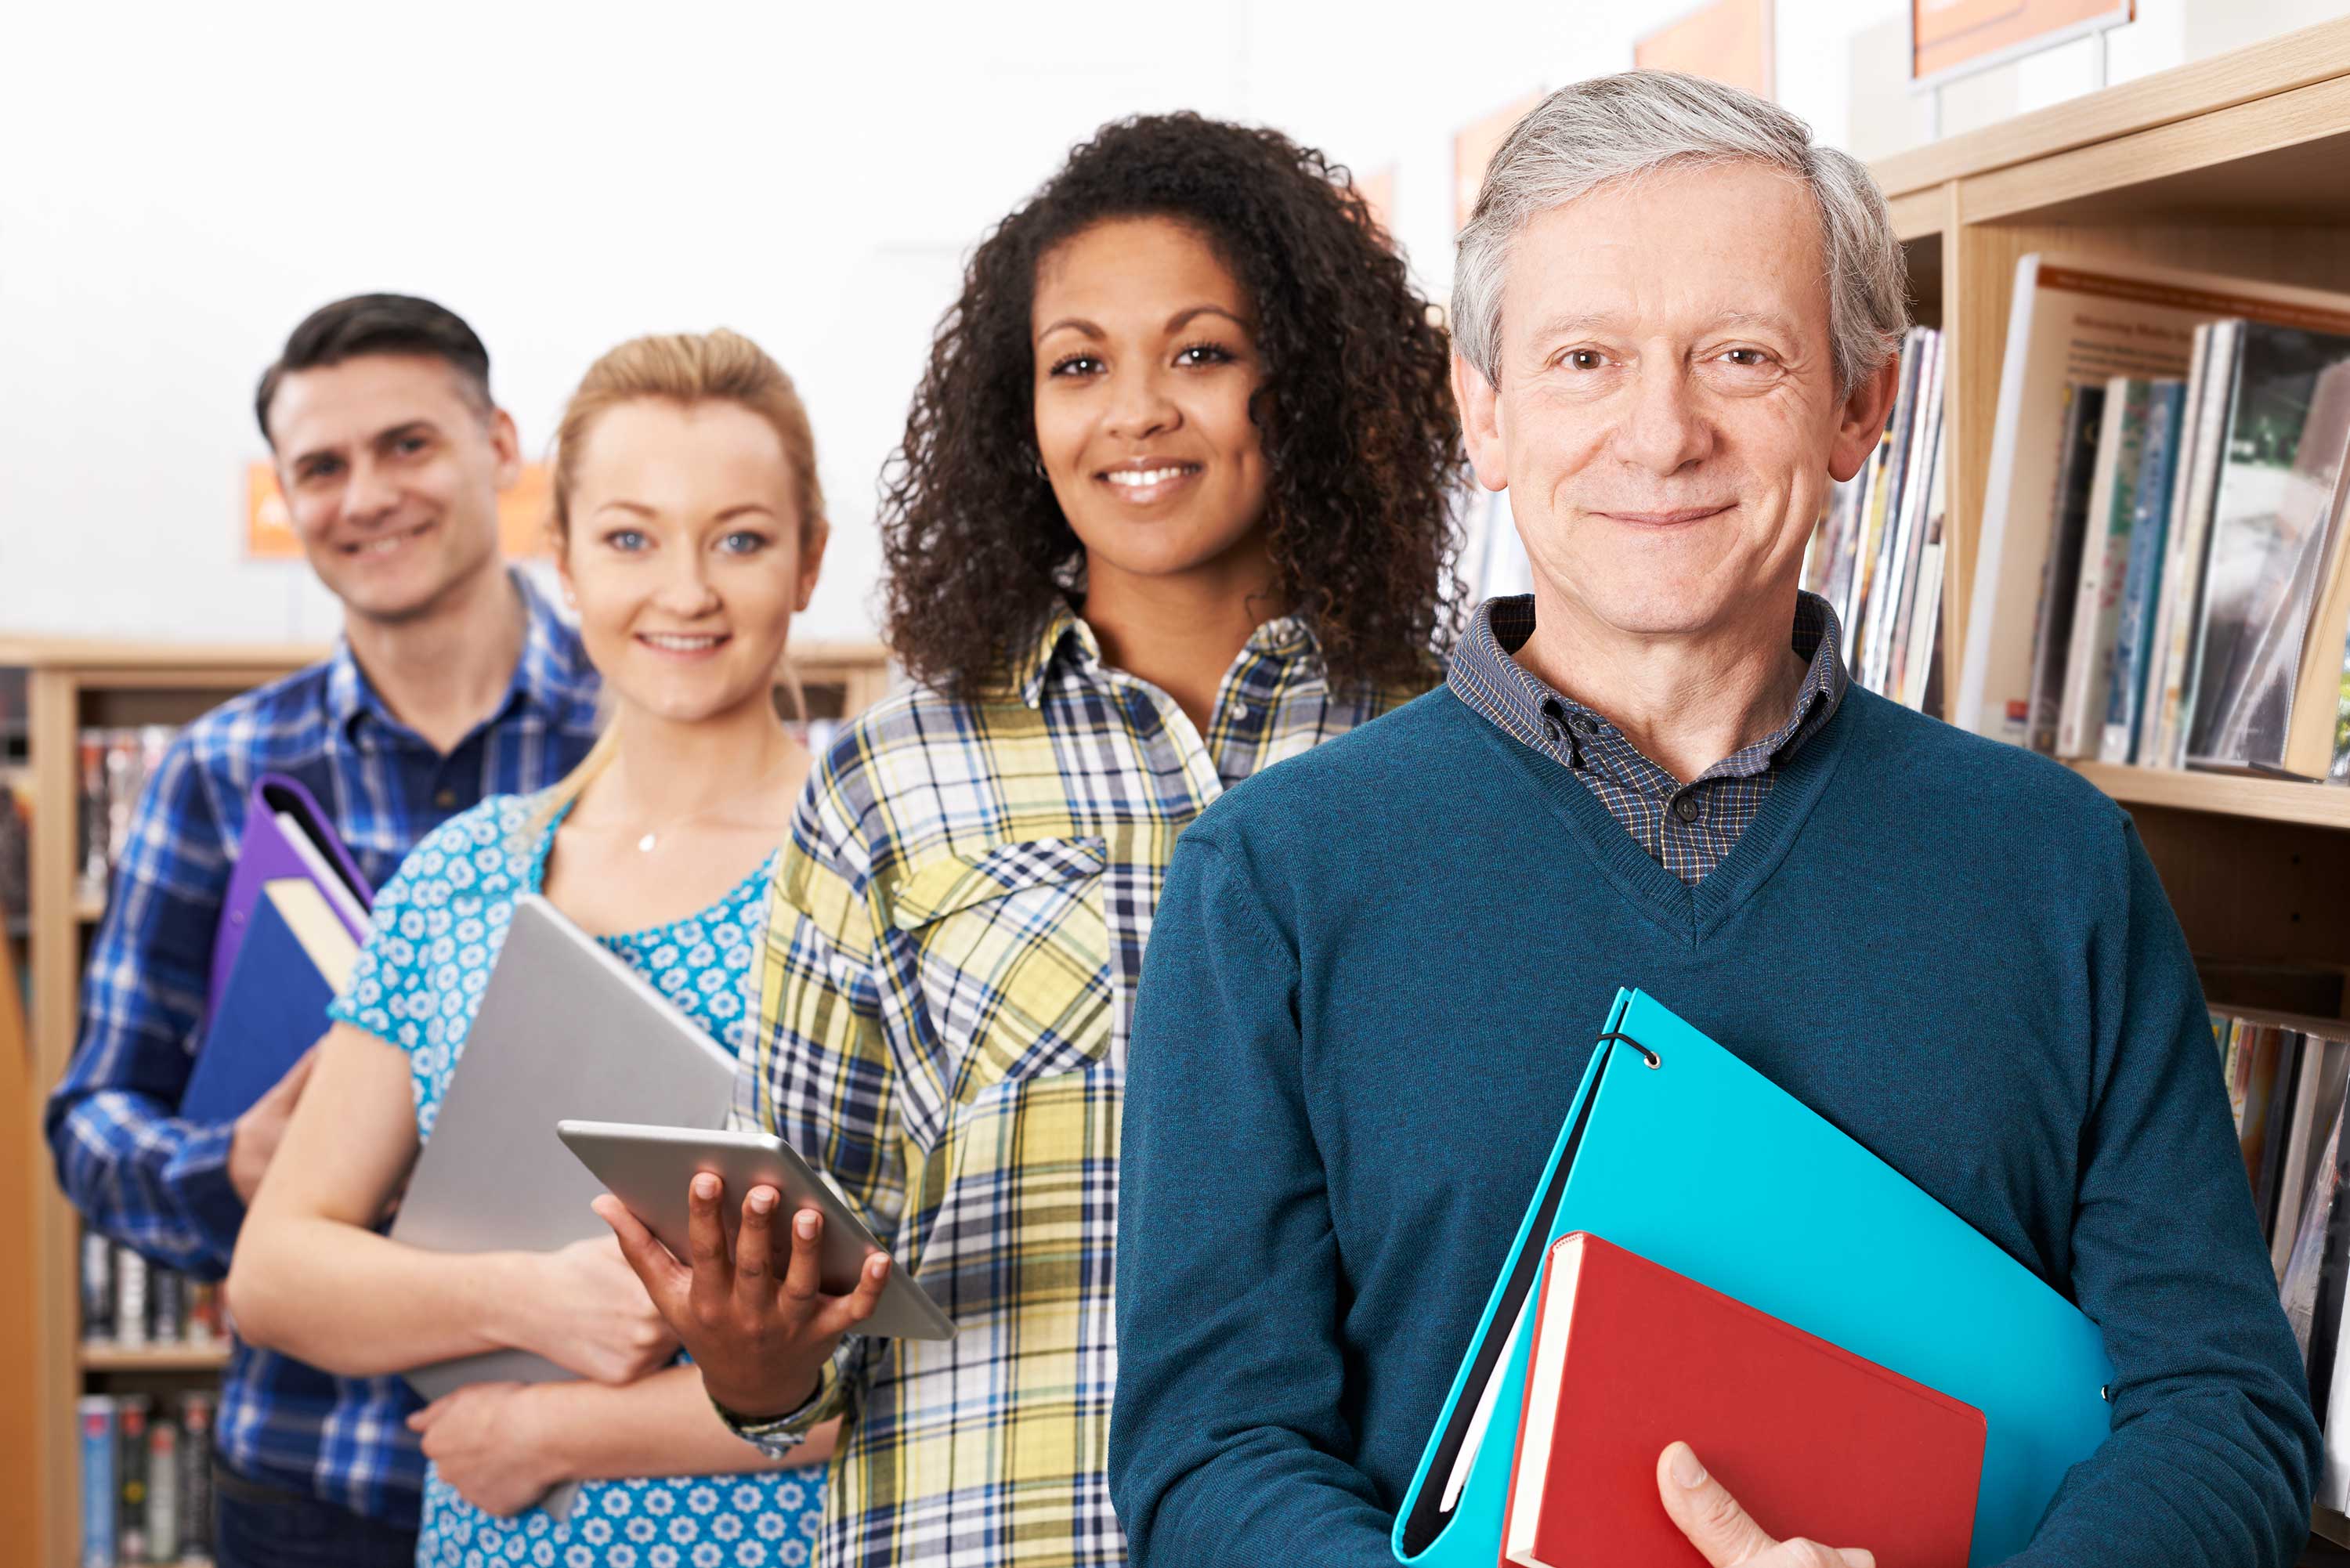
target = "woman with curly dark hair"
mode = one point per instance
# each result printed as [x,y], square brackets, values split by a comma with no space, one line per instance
[1173,505]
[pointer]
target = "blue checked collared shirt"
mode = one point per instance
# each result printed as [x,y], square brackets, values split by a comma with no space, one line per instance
[1686,829]
[160,1185]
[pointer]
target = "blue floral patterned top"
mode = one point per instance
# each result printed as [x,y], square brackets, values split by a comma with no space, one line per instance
[438,924]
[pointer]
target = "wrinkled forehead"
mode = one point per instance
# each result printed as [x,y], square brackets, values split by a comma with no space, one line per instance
[1670,249]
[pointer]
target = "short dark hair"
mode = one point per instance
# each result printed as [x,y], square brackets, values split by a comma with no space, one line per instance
[377,324]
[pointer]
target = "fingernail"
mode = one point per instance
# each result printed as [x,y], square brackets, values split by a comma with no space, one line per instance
[704,1186]
[806,1226]
[878,1265]
[1687,1473]
[761,1200]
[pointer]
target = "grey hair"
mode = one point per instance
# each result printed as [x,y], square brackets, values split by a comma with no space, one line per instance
[1614,127]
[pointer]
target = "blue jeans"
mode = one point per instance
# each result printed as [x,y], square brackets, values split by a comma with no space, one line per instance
[255,1525]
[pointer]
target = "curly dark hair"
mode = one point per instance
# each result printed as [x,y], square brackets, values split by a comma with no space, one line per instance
[1361,435]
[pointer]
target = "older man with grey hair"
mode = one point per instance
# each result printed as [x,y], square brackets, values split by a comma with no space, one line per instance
[1374,976]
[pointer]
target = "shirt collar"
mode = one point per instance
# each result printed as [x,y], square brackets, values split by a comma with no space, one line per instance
[1484,676]
[1066,640]
[552,677]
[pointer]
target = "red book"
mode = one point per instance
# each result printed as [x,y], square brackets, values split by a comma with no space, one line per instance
[1813,1440]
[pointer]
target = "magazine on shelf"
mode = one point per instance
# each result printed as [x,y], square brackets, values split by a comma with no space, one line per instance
[2169,696]
[2273,514]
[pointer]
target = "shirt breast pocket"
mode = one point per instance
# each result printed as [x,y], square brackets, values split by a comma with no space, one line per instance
[1012,950]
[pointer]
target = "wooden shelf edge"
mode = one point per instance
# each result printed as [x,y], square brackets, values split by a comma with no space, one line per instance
[154,1358]
[125,653]
[2276,65]
[2225,794]
[1919,215]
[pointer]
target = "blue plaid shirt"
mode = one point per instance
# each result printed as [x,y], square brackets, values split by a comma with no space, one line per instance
[160,1185]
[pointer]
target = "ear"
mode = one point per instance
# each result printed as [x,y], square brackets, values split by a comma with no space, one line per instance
[812,563]
[1481,425]
[506,442]
[1861,420]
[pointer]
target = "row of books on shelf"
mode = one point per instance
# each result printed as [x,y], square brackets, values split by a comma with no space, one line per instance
[2164,569]
[115,764]
[2285,1086]
[129,1303]
[2289,1088]
[1877,554]
[113,768]
[146,1479]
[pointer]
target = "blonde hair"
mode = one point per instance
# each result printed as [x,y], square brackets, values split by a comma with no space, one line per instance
[687,368]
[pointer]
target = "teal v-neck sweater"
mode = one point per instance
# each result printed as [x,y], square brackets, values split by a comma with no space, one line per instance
[1371,989]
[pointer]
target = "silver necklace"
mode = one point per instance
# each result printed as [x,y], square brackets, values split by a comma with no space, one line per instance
[653,837]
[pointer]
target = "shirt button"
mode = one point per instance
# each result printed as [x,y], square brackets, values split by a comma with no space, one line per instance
[1240,713]
[1687,808]
[1586,726]
[445,799]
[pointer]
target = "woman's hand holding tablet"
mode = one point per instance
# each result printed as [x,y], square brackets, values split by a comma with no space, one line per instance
[759,1317]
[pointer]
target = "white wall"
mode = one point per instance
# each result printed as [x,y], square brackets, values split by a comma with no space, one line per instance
[180,185]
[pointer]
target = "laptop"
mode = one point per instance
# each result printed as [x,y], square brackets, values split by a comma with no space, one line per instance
[567,1031]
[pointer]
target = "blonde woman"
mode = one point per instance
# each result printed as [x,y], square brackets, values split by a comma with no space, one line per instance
[689,527]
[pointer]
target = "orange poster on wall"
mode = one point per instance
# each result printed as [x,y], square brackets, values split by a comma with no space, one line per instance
[1949,36]
[269,527]
[1729,41]
[1474,148]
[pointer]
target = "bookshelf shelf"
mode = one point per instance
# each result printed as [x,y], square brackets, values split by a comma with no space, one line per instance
[101,1357]
[70,684]
[2270,800]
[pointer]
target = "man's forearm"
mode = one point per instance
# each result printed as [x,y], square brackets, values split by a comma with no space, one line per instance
[1267,1499]
[2201,1479]
[156,1184]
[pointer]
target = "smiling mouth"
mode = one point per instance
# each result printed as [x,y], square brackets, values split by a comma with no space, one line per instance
[1140,483]
[683,644]
[1667,518]
[388,544]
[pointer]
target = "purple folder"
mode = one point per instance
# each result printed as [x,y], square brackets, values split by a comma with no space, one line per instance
[265,856]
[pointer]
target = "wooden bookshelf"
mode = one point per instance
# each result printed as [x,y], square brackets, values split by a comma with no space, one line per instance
[2230,165]
[72,684]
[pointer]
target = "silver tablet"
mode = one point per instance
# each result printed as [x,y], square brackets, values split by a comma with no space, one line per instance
[650,1167]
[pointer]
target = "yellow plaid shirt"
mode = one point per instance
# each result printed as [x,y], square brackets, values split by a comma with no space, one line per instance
[944,1002]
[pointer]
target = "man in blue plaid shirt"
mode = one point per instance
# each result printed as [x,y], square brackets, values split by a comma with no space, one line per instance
[453,681]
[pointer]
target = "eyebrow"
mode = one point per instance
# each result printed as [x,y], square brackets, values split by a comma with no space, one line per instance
[1175,323]
[740,509]
[410,427]
[1600,321]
